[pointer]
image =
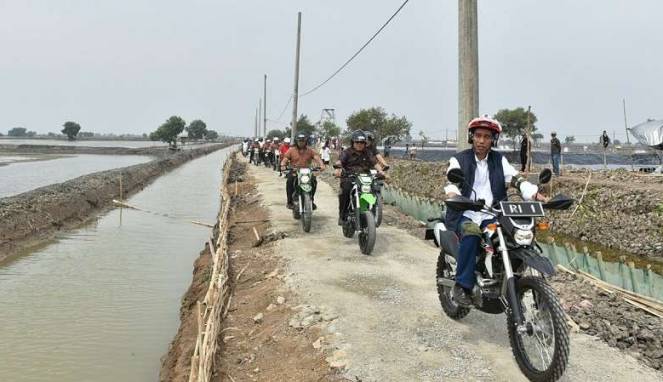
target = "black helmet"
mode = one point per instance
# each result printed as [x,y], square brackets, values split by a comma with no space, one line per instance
[370,136]
[358,136]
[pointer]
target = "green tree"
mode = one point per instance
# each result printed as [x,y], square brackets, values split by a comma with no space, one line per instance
[569,139]
[71,130]
[169,130]
[514,122]
[196,129]
[31,133]
[211,135]
[17,132]
[375,119]
[275,133]
[304,126]
[86,134]
[330,129]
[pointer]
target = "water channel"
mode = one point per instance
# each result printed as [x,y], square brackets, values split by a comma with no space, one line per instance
[101,303]
[40,170]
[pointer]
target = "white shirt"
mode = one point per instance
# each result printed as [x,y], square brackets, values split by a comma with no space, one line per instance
[325,153]
[482,185]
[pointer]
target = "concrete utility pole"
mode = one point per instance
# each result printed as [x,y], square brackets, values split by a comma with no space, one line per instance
[295,96]
[468,68]
[530,141]
[255,125]
[259,115]
[264,111]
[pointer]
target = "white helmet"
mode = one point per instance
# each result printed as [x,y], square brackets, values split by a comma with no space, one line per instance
[287,140]
[276,139]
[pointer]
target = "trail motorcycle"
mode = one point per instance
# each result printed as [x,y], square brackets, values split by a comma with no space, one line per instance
[302,198]
[256,156]
[379,205]
[511,276]
[359,212]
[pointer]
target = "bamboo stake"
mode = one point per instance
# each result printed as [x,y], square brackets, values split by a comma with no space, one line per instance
[583,194]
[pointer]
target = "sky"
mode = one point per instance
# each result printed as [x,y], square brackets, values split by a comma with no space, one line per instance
[126,66]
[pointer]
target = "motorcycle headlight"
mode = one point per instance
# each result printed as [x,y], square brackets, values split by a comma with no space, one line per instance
[305,178]
[365,188]
[523,237]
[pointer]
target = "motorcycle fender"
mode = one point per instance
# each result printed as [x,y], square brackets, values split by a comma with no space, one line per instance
[305,187]
[533,259]
[366,201]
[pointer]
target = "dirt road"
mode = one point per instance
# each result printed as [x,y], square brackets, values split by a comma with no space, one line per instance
[390,326]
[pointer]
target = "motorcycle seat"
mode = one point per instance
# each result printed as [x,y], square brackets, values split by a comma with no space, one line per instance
[449,242]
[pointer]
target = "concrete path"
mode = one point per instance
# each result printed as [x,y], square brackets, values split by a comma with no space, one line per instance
[390,325]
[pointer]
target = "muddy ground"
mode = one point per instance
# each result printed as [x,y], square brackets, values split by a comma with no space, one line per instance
[251,349]
[30,218]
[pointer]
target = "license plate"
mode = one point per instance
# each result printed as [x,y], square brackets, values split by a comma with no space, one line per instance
[522,209]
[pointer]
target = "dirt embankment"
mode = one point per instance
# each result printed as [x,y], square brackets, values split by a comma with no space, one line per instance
[620,210]
[257,341]
[30,217]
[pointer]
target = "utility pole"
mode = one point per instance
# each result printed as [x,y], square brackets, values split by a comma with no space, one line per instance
[295,96]
[255,125]
[259,115]
[264,104]
[468,68]
[626,123]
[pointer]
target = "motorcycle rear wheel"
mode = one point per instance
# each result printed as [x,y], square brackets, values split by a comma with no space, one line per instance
[444,293]
[548,328]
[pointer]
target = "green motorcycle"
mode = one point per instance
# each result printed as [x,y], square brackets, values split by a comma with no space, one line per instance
[359,216]
[302,199]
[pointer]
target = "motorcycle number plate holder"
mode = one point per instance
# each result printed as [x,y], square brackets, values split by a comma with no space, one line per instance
[522,209]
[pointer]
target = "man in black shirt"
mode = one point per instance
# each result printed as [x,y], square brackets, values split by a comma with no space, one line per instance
[372,148]
[555,152]
[355,159]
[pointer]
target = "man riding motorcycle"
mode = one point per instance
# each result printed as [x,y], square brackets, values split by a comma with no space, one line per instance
[354,159]
[300,156]
[254,145]
[372,147]
[487,173]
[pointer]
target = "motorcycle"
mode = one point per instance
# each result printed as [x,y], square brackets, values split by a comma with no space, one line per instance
[302,198]
[256,156]
[379,205]
[511,276]
[359,212]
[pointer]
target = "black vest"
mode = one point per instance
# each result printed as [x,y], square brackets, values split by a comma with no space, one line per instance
[468,164]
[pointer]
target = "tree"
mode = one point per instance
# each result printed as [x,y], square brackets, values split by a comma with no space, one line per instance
[375,119]
[86,134]
[196,129]
[617,142]
[169,131]
[424,138]
[569,139]
[17,132]
[537,137]
[211,135]
[329,129]
[31,133]
[71,129]
[304,126]
[275,133]
[514,122]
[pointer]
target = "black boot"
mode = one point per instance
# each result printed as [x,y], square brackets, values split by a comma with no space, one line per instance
[462,296]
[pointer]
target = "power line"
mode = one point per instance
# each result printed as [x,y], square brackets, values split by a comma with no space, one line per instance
[284,109]
[358,52]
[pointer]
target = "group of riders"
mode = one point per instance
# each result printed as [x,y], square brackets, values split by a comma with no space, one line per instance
[475,228]
[360,157]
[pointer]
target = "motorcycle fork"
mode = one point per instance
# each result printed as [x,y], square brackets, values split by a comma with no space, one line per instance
[357,209]
[509,285]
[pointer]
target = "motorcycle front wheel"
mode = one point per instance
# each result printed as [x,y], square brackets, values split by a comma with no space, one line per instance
[367,233]
[307,212]
[379,206]
[541,348]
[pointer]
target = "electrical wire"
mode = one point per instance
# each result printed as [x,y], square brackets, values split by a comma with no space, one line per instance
[356,53]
